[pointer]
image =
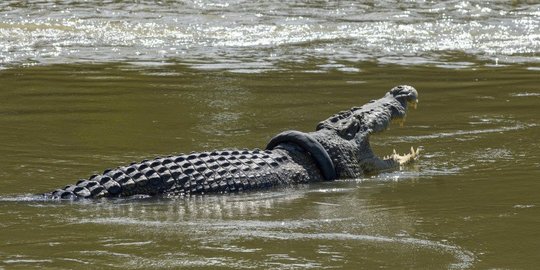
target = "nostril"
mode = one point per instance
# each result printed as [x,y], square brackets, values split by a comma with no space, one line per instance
[404,92]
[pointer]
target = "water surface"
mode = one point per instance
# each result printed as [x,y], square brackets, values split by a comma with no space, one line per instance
[470,202]
[84,87]
[242,34]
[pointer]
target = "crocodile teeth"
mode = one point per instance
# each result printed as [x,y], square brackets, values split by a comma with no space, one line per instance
[415,153]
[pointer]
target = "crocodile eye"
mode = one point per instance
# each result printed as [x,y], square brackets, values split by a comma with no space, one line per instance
[349,129]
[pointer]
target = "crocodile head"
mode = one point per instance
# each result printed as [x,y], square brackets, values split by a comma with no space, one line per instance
[345,135]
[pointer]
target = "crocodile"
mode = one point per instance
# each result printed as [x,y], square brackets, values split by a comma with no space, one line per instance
[339,148]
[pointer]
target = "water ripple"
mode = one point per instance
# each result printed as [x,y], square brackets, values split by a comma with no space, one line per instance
[259,36]
[465,258]
[457,133]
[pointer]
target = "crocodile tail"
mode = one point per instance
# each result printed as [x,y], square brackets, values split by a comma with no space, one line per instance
[196,173]
[147,177]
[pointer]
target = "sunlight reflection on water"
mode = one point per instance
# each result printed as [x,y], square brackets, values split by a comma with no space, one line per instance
[255,37]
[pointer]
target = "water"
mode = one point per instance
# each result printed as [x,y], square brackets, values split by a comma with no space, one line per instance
[247,35]
[88,86]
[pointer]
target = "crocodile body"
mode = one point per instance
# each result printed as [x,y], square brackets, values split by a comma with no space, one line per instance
[339,148]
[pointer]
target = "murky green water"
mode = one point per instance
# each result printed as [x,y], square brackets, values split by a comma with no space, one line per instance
[85,86]
[470,202]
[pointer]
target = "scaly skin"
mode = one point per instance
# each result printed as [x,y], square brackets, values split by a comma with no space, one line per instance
[342,138]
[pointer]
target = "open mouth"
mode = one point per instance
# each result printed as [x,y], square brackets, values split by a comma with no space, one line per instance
[373,117]
[414,154]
